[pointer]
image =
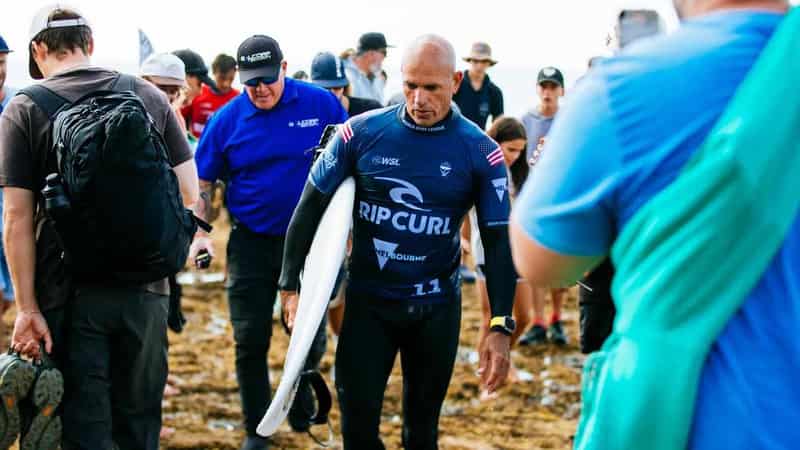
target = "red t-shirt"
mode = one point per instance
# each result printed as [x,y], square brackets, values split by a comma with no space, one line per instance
[203,106]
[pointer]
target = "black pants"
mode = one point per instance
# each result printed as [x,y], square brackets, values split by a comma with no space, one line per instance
[596,307]
[111,346]
[254,265]
[374,330]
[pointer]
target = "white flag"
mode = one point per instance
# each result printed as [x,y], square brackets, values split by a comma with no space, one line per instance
[145,47]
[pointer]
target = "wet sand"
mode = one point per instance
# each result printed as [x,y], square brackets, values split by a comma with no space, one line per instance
[535,414]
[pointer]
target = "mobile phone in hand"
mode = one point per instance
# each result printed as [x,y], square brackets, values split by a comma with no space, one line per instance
[203,259]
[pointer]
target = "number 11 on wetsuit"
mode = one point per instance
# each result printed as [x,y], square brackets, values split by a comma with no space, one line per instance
[434,287]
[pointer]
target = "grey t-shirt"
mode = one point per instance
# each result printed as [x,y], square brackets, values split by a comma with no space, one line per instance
[26,138]
[536,126]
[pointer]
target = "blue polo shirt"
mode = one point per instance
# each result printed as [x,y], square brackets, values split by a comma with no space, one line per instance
[265,155]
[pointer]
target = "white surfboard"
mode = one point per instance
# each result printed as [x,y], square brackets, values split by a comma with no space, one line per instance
[319,275]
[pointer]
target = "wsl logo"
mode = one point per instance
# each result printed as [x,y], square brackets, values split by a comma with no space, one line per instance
[387,251]
[384,161]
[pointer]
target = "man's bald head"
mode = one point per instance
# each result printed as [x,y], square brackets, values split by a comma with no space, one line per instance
[433,50]
[429,79]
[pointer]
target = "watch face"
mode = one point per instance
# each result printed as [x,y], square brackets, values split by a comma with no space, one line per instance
[508,325]
[511,324]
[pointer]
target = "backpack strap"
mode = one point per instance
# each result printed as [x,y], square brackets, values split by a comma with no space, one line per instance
[47,100]
[124,83]
[51,103]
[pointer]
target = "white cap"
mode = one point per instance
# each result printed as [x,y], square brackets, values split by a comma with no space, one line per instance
[42,21]
[165,69]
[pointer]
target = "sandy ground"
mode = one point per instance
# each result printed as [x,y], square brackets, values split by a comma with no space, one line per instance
[536,414]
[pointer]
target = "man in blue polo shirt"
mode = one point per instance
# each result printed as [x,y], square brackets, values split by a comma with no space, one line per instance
[618,143]
[260,141]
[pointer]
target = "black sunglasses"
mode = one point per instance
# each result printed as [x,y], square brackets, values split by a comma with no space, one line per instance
[259,80]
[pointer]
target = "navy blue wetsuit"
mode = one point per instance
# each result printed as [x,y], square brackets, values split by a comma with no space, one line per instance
[414,185]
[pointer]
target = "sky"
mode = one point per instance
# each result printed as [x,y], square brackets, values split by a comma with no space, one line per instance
[525,35]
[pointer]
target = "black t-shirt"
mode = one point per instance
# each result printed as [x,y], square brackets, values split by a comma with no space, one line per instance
[477,106]
[360,105]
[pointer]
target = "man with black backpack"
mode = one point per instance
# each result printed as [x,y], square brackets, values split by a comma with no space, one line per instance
[96,174]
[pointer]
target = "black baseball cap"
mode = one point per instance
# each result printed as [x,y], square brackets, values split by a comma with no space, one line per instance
[372,41]
[195,65]
[327,71]
[259,56]
[552,75]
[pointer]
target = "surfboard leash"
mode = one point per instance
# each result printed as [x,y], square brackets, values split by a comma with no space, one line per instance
[324,405]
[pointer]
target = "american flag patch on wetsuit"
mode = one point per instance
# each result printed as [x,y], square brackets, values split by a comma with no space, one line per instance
[493,153]
[347,132]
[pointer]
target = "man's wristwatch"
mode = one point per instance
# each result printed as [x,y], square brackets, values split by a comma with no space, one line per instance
[503,324]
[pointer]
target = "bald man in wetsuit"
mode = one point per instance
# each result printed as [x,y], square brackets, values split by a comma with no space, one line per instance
[419,167]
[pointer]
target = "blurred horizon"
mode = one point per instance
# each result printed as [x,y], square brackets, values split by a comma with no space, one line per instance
[564,34]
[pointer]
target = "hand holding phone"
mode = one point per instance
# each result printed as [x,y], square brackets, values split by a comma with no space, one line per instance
[203,259]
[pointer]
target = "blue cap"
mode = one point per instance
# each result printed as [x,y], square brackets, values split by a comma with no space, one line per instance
[327,71]
[3,46]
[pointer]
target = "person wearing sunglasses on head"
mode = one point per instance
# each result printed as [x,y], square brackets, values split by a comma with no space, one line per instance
[259,142]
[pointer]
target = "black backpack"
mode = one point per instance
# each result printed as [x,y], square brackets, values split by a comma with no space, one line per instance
[126,221]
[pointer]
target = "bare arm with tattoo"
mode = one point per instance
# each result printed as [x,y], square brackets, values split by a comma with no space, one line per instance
[202,209]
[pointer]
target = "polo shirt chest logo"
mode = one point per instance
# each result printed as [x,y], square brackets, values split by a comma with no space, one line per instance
[305,123]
